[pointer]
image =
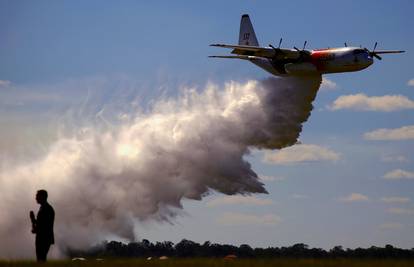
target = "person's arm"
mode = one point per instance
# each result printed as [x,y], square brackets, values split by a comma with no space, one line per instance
[33,220]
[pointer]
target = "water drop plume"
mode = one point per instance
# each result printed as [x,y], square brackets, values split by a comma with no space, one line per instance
[102,182]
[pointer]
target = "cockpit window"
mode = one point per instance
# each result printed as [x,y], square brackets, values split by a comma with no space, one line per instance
[358,51]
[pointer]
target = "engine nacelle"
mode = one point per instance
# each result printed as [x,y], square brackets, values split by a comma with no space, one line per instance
[304,68]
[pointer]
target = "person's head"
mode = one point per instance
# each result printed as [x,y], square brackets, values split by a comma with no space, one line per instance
[41,196]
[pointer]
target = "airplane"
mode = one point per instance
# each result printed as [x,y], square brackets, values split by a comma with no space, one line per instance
[296,62]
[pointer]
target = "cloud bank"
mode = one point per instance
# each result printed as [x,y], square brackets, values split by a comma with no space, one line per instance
[4,83]
[239,200]
[395,199]
[394,158]
[328,85]
[391,226]
[398,174]
[267,178]
[354,197]
[403,133]
[401,211]
[363,102]
[301,153]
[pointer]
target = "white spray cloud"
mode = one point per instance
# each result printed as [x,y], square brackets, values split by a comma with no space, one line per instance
[410,82]
[363,102]
[101,182]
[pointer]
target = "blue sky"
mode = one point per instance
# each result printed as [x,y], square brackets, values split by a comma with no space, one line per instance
[54,52]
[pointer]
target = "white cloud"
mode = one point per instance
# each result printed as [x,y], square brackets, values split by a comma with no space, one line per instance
[410,82]
[403,133]
[239,200]
[398,174]
[328,85]
[395,199]
[363,102]
[394,158]
[4,83]
[401,211]
[391,226]
[231,218]
[299,196]
[267,178]
[301,153]
[354,197]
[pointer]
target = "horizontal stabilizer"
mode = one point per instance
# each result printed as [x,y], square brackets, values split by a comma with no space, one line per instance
[266,52]
[244,47]
[236,57]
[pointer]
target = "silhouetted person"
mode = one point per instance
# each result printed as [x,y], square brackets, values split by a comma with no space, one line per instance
[42,225]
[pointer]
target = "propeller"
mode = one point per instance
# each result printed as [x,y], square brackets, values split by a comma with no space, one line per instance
[303,49]
[303,52]
[372,53]
[277,50]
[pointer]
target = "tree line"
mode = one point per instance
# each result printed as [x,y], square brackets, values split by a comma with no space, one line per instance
[187,248]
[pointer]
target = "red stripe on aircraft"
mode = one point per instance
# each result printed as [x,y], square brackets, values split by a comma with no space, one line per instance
[319,57]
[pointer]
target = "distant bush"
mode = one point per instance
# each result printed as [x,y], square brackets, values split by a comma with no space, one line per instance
[190,249]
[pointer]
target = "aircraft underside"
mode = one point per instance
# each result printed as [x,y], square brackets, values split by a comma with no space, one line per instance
[304,68]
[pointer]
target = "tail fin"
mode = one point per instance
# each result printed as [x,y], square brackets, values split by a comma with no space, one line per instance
[247,35]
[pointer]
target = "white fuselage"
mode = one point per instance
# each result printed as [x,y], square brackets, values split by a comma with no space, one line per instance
[321,61]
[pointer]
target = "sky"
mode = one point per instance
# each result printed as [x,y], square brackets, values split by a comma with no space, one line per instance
[349,183]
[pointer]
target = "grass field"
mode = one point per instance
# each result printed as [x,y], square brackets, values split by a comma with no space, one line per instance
[222,262]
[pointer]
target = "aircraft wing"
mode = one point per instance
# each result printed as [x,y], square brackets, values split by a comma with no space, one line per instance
[389,51]
[266,52]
